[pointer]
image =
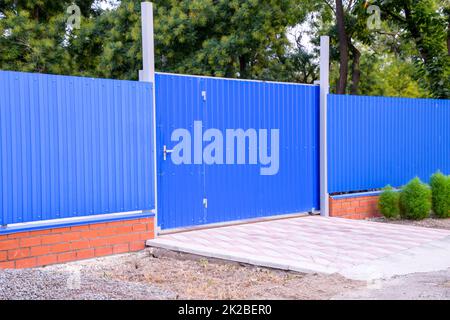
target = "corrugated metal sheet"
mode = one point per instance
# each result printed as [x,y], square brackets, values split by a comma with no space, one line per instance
[180,188]
[375,141]
[235,192]
[73,146]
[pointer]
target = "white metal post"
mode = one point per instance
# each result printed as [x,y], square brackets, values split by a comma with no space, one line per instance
[147,74]
[324,90]
[148,44]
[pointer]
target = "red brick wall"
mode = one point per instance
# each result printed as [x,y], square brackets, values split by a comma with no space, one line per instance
[355,208]
[44,247]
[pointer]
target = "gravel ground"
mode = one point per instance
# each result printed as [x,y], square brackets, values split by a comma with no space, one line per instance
[42,284]
[427,223]
[159,274]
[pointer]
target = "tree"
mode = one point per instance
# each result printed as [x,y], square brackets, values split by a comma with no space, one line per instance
[301,65]
[43,10]
[120,35]
[349,27]
[386,75]
[426,23]
[447,13]
[232,38]
[239,38]
[34,35]
[343,48]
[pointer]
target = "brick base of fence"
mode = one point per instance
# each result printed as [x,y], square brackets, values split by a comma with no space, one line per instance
[59,245]
[357,207]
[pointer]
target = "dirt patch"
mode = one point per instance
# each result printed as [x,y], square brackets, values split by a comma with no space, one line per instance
[192,277]
[426,223]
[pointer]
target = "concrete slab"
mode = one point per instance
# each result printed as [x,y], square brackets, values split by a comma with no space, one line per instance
[360,250]
[429,257]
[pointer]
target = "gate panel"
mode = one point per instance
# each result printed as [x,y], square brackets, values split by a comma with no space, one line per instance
[237,191]
[180,187]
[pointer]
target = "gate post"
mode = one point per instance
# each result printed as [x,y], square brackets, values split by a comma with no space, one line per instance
[147,74]
[324,89]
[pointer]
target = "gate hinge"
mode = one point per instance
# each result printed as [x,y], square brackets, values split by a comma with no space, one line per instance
[204,95]
[205,203]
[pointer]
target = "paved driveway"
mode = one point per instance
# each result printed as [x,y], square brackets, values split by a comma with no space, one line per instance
[356,249]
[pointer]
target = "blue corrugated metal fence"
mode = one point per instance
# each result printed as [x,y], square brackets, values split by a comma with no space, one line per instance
[73,146]
[375,141]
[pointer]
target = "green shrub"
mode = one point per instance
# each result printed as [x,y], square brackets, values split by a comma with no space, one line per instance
[440,190]
[388,203]
[415,200]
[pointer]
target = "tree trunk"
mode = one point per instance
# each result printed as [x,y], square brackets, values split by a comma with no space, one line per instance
[343,48]
[242,67]
[448,34]
[448,42]
[447,13]
[417,36]
[356,72]
[36,13]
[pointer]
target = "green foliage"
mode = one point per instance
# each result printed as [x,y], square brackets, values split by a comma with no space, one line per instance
[426,24]
[389,76]
[120,56]
[245,39]
[34,38]
[28,45]
[235,38]
[388,203]
[415,200]
[440,188]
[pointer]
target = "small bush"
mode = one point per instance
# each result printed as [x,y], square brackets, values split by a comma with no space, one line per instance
[388,203]
[415,200]
[440,190]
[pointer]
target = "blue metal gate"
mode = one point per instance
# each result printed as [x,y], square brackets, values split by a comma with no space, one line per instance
[201,192]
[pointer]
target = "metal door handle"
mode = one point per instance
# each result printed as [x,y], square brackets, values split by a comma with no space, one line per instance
[166,151]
